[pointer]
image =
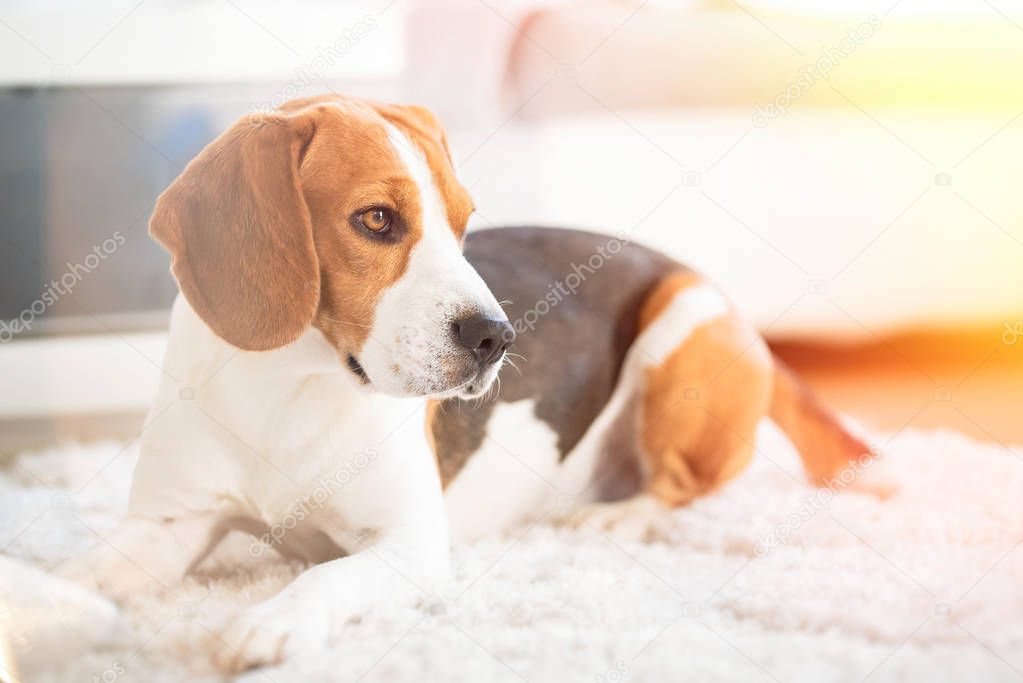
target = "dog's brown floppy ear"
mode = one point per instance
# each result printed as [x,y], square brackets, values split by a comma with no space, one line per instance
[238,230]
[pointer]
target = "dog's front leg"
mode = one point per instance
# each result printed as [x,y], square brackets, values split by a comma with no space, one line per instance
[395,565]
[143,554]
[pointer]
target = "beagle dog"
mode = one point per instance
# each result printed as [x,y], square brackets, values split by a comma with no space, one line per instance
[331,372]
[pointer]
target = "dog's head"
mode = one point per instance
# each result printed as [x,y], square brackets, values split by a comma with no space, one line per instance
[345,215]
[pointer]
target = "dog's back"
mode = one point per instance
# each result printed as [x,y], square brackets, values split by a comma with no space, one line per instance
[631,371]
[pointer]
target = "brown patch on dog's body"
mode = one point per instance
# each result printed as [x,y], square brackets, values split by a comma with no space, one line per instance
[450,438]
[701,406]
[433,408]
[666,290]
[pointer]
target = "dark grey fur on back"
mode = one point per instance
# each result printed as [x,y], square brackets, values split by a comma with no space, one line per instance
[573,343]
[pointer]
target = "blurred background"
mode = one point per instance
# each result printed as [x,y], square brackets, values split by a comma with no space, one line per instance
[848,171]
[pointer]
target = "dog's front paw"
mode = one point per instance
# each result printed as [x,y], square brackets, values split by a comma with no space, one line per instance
[81,571]
[275,630]
[110,574]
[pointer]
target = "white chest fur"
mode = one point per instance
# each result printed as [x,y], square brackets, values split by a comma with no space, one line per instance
[257,434]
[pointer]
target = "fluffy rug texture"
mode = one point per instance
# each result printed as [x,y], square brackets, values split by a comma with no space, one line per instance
[766,580]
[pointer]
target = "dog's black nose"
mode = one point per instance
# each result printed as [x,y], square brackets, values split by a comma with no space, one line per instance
[487,338]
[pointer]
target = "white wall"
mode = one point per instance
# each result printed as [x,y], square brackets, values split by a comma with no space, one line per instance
[165,41]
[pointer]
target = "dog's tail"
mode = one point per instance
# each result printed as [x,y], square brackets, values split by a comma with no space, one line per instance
[825,446]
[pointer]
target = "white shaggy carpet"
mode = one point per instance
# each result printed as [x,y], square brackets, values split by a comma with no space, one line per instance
[927,585]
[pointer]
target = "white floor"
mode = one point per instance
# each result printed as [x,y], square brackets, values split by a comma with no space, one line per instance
[927,585]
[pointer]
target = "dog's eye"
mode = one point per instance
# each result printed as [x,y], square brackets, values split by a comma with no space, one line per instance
[376,220]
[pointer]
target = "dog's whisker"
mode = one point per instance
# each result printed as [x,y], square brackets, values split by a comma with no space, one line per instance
[509,361]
